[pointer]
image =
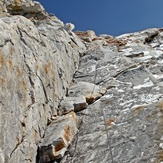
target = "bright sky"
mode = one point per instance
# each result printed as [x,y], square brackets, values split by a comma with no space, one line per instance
[113,17]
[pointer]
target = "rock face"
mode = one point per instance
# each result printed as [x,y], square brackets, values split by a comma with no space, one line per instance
[125,124]
[76,97]
[37,63]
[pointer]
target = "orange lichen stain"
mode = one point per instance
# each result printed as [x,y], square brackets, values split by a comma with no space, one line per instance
[18,71]
[139,108]
[47,68]
[2,60]
[108,102]
[2,82]
[24,91]
[160,106]
[37,67]
[24,85]
[110,121]
[160,156]
[152,116]
[67,134]
[12,50]
[59,145]
[10,63]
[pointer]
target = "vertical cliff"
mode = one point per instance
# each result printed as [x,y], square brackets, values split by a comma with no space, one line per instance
[77,97]
[38,57]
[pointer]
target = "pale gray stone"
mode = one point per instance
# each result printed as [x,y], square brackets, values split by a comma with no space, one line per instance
[37,65]
[72,104]
[90,91]
[132,104]
[118,83]
[58,136]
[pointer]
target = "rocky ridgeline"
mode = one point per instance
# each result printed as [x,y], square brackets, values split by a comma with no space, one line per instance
[76,97]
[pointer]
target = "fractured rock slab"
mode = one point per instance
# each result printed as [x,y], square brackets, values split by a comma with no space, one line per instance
[90,91]
[57,138]
[72,104]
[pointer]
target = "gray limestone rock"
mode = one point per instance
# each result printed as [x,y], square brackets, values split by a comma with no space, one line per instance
[58,136]
[72,104]
[116,91]
[124,125]
[90,91]
[37,65]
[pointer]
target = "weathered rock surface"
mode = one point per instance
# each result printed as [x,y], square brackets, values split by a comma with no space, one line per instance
[37,63]
[26,8]
[72,104]
[112,110]
[131,109]
[58,136]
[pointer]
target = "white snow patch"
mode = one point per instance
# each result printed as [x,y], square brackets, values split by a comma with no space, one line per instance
[121,90]
[126,110]
[161,145]
[158,53]
[135,106]
[127,103]
[158,76]
[160,61]
[161,138]
[146,52]
[147,84]
[150,98]
[107,97]
[146,80]
[146,57]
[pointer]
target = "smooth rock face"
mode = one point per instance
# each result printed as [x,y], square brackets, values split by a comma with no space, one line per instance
[131,109]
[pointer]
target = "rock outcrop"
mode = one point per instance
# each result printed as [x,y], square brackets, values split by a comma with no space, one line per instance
[125,124]
[38,58]
[77,97]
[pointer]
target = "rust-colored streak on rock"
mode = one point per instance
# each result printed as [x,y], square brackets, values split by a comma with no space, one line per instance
[24,85]
[18,71]
[110,121]
[67,134]
[18,2]
[10,63]
[160,156]
[139,108]
[47,68]
[108,102]
[24,91]
[2,82]
[2,60]
[59,146]
[160,106]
